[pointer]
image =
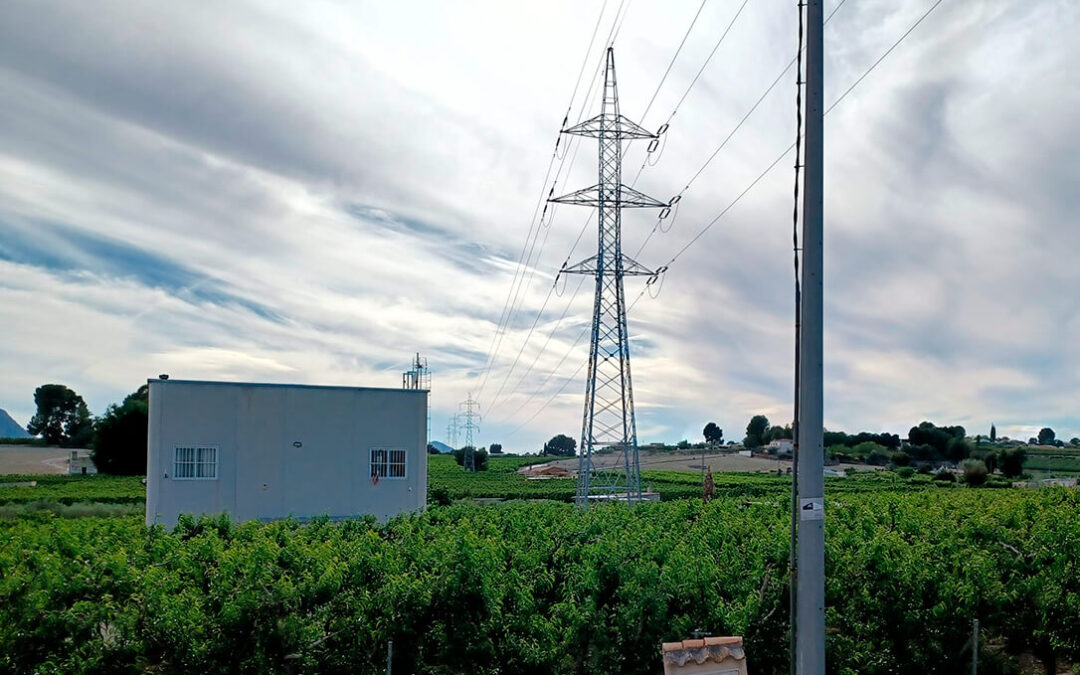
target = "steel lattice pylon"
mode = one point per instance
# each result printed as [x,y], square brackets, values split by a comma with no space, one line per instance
[608,421]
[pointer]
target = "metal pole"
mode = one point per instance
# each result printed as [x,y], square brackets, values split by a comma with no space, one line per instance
[389,656]
[810,615]
[975,647]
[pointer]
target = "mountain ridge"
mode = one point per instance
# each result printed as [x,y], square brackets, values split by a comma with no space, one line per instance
[9,428]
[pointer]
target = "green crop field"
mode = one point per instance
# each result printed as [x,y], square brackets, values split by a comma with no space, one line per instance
[531,587]
[445,477]
[65,489]
[1053,460]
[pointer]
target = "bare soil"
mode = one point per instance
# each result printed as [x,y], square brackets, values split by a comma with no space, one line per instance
[34,460]
[719,462]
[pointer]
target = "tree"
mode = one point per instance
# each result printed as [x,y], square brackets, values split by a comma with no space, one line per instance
[560,446]
[993,433]
[713,434]
[495,448]
[480,458]
[1075,440]
[119,445]
[942,442]
[755,431]
[1046,436]
[974,472]
[62,417]
[776,433]
[1011,462]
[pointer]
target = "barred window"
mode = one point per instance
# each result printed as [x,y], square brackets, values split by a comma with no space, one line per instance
[195,463]
[387,463]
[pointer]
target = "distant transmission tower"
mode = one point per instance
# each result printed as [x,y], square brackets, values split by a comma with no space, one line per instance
[608,421]
[452,428]
[470,426]
[419,378]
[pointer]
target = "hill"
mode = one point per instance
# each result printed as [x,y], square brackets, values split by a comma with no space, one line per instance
[9,428]
[443,448]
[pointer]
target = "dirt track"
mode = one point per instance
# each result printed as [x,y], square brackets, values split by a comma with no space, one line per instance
[30,460]
[718,462]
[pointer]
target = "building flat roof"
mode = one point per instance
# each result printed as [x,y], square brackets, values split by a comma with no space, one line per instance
[158,380]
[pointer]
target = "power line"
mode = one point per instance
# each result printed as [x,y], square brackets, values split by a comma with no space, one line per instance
[507,311]
[882,57]
[675,56]
[742,194]
[709,58]
[612,35]
[552,373]
[620,18]
[792,146]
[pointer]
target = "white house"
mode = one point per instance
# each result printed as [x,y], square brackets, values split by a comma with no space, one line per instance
[80,464]
[781,445]
[268,451]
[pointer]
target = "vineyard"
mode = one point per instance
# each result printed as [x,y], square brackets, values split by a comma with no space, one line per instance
[445,477]
[535,587]
[502,481]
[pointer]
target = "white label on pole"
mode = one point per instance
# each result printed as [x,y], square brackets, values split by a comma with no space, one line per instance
[812,508]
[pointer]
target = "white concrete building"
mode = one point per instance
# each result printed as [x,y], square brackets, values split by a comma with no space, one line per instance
[80,464]
[267,451]
[781,445]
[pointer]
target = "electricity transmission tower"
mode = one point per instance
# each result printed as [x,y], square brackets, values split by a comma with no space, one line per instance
[608,421]
[452,429]
[419,378]
[470,426]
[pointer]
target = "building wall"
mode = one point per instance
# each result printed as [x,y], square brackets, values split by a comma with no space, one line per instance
[284,450]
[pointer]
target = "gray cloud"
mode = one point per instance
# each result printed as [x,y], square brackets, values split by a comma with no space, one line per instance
[260,192]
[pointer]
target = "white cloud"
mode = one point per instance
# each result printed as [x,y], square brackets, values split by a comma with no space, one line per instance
[273,191]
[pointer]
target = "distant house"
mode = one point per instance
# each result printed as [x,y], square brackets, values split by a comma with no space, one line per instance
[80,466]
[781,445]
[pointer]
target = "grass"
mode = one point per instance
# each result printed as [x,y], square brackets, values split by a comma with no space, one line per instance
[76,510]
[65,489]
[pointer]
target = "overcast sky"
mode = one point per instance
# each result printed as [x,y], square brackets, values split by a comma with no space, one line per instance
[312,192]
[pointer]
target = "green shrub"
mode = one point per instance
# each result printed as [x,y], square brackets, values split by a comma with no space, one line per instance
[974,472]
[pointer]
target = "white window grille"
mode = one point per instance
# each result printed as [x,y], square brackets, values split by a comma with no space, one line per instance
[387,463]
[195,463]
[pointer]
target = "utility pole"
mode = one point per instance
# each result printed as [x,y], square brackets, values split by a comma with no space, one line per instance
[810,610]
[418,378]
[608,420]
[470,426]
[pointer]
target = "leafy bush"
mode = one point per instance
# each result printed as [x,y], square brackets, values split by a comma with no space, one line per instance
[541,588]
[439,496]
[480,458]
[974,472]
[945,475]
[879,456]
[1011,461]
[119,445]
[905,472]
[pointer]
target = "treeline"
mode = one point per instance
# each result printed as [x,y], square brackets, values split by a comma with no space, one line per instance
[117,439]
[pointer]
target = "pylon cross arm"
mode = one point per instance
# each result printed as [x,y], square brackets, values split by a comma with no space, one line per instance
[626,198]
[610,126]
